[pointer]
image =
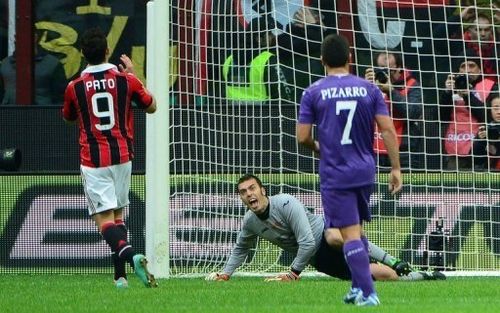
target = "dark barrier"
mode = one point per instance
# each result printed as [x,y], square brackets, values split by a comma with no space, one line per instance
[209,139]
[236,139]
[47,143]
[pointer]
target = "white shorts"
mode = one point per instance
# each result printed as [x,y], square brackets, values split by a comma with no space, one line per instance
[106,188]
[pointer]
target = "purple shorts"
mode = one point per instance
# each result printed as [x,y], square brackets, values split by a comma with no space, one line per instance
[346,207]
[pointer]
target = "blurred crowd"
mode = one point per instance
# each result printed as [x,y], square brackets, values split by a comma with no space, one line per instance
[274,59]
[464,87]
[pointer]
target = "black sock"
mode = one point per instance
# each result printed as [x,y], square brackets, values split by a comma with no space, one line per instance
[117,241]
[119,265]
[121,226]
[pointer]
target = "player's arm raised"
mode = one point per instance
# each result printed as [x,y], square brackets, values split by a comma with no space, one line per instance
[386,127]
[69,113]
[142,95]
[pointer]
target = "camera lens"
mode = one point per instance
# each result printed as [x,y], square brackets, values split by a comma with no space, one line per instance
[461,82]
[381,75]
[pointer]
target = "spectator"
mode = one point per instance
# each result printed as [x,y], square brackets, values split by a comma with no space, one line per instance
[478,36]
[253,73]
[293,49]
[462,106]
[403,95]
[49,78]
[299,49]
[486,149]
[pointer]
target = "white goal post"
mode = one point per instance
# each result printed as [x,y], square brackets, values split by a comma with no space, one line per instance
[157,140]
[205,135]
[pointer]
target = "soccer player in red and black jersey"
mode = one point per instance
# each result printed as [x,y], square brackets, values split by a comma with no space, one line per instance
[100,100]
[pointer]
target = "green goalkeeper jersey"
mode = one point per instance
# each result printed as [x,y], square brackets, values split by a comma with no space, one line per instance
[289,226]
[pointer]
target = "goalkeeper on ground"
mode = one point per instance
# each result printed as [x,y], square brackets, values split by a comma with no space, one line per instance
[285,221]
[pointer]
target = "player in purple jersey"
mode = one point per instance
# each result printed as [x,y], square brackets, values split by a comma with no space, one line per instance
[344,109]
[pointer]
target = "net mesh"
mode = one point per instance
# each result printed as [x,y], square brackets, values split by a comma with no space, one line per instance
[227,120]
[445,218]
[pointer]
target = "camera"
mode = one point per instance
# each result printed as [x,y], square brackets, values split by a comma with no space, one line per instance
[493,131]
[381,75]
[10,159]
[461,82]
[438,243]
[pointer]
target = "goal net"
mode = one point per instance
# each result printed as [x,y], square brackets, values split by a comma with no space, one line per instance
[233,110]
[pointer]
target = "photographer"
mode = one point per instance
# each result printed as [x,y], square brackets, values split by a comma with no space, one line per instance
[472,29]
[486,149]
[403,96]
[462,105]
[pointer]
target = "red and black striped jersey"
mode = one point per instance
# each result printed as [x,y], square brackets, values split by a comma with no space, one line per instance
[101,100]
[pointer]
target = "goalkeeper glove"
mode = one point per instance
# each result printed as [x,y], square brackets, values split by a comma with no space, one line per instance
[290,276]
[217,277]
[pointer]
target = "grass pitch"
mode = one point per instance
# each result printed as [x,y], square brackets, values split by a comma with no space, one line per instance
[96,293]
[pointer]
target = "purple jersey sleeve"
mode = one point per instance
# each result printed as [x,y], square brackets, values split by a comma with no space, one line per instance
[380,105]
[306,112]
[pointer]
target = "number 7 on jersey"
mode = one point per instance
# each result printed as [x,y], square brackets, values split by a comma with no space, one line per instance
[351,107]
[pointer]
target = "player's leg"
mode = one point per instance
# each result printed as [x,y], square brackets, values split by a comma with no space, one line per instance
[335,215]
[119,263]
[113,236]
[101,200]
[341,211]
[380,255]
[370,297]
[122,179]
[122,174]
[121,249]
[100,187]
[330,260]
[100,190]
[381,272]
[421,275]
[357,258]
[334,239]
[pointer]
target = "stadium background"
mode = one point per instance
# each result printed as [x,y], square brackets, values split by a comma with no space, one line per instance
[43,222]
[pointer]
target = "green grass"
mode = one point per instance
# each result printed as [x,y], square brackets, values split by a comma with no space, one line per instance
[96,293]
